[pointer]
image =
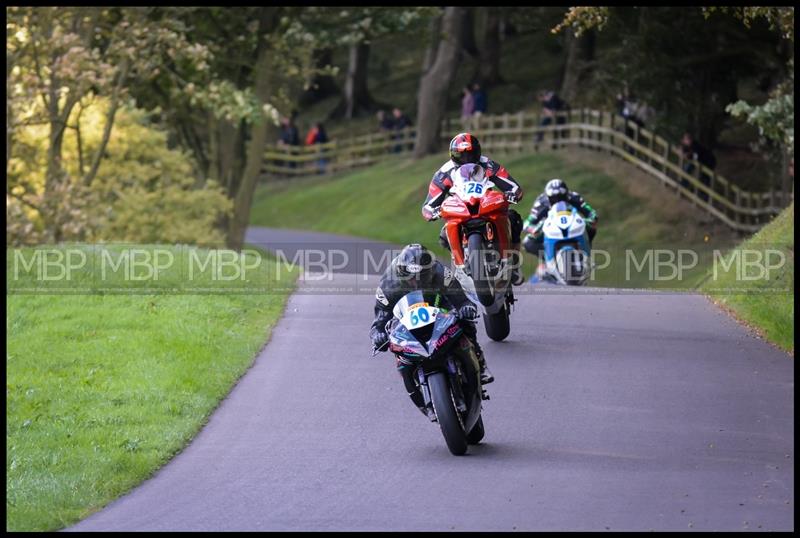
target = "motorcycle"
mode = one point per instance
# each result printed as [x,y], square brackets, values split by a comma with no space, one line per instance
[566,246]
[478,232]
[430,340]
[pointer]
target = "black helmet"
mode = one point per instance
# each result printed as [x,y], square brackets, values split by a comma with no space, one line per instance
[464,149]
[556,191]
[415,264]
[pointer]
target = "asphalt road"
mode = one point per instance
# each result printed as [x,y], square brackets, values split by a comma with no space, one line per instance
[610,411]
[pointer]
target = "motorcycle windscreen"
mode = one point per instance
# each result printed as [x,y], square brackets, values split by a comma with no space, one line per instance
[418,317]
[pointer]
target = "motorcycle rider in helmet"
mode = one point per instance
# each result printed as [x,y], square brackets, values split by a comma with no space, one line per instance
[415,269]
[465,149]
[555,191]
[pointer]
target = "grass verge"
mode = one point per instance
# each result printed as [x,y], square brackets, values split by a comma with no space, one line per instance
[104,388]
[761,295]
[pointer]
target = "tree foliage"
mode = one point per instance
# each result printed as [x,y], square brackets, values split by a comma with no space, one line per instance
[60,61]
[692,75]
[143,191]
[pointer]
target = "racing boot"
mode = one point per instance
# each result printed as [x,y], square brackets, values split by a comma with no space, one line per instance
[486,374]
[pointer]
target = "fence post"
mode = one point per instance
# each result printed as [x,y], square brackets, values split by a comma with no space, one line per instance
[520,128]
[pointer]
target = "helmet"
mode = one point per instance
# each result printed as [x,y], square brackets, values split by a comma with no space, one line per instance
[556,191]
[465,148]
[415,264]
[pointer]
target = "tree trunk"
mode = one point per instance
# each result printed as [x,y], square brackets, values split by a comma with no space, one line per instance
[109,125]
[488,73]
[468,39]
[572,67]
[430,52]
[228,147]
[356,99]
[320,86]
[436,83]
[260,133]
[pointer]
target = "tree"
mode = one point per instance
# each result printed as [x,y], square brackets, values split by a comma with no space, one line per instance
[689,76]
[488,72]
[321,83]
[436,82]
[257,66]
[60,56]
[356,28]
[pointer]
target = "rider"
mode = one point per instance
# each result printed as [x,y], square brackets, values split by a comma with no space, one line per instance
[415,269]
[465,149]
[555,191]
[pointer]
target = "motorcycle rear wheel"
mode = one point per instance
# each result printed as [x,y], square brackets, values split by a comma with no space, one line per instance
[446,414]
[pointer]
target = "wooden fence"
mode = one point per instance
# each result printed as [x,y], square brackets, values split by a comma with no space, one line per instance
[742,210]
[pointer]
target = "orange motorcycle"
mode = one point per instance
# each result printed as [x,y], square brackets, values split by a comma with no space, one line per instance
[478,231]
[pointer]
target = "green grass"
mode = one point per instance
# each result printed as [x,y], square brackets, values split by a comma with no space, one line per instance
[765,303]
[103,389]
[384,202]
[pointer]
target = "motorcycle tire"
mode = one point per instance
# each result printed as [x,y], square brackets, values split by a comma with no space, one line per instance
[476,433]
[477,266]
[446,414]
[497,325]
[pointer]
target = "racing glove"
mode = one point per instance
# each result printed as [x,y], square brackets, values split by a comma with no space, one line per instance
[379,340]
[468,311]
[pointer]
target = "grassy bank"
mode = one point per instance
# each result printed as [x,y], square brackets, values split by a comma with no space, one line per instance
[103,388]
[383,202]
[766,303]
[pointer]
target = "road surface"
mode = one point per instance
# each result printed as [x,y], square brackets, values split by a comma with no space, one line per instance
[610,411]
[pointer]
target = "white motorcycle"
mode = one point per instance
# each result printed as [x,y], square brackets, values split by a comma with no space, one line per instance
[566,246]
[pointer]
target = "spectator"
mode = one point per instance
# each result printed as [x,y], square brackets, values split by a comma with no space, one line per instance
[385,123]
[693,151]
[289,133]
[317,135]
[467,108]
[633,111]
[401,121]
[289,139]
[552,105]
[480,99]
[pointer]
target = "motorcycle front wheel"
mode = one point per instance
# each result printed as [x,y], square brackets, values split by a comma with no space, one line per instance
[476,433]
[446,413]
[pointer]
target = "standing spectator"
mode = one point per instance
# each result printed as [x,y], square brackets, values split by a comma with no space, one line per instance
[289,133]
[467,108]
[385,123]
[693,151]
[401,121]
[317,135]
[479,95]
[289,138]
[552,104]
[628,107]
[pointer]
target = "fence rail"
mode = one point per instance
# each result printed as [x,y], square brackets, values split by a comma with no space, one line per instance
[742,210]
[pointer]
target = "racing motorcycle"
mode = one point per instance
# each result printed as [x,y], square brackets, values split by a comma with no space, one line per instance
[430,340]
[566,246]
[478,231]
